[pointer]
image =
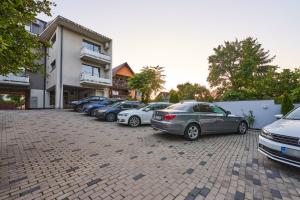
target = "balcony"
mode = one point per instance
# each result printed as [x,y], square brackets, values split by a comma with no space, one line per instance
[89,55]
[14,79]
[95,80]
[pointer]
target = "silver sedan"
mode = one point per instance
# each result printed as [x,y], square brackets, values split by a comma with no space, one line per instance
[193,119]
[281,140]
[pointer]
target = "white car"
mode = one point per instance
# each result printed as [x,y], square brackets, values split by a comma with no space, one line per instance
[136,117]
[280,140]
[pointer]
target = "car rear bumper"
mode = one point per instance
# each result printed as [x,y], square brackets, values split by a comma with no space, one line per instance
[274,150]
[167,127]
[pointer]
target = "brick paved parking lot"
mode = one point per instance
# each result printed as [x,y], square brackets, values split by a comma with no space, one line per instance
[48,154]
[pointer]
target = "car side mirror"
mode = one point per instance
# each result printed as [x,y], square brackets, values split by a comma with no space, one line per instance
[278,116]
[146,109]
[228,112]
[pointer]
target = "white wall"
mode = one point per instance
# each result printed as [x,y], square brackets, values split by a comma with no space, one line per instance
[263,110]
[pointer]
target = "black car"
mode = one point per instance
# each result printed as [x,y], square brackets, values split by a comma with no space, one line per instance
[78,105]
[110,113]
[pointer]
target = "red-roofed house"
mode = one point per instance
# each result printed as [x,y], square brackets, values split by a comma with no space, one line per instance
[120,75]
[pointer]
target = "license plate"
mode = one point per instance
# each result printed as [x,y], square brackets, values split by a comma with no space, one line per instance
[283,149]
[157,117]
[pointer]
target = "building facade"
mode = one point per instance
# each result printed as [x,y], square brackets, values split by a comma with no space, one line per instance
[77,65]
[120,76]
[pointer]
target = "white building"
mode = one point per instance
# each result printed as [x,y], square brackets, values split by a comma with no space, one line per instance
[77,65]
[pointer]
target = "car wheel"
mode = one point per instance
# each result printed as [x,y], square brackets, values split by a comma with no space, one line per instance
[192,132]
[242,128]
[134,121]
[111,117]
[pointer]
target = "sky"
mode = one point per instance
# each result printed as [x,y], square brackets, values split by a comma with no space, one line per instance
[180,34]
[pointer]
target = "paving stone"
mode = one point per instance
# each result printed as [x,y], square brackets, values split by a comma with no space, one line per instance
[30,191]
[18,180]
[276,194]
[137,177]
[224,166]
[189,171]
[95,181]
[239,196]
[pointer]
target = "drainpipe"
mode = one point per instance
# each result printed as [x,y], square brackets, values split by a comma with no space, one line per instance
[45,74]
[61,70]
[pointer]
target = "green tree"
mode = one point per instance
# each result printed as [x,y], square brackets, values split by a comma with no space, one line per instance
[296,95]
[237,66]
[174,98]
[187,91]
[286,104]
[149,81]
[18,47]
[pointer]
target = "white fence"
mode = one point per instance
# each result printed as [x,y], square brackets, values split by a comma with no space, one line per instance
[263,110]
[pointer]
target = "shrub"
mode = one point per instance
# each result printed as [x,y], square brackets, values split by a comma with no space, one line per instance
[286,104]
[174,98]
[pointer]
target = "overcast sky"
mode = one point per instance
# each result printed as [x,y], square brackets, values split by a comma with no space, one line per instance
[181,34]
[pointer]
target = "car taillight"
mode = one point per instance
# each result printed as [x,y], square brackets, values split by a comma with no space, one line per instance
[169,117]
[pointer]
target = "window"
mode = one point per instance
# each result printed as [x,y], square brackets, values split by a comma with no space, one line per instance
[53,39]
[35,28]
[202,108]
[53,65]
[91,46]
[218,110]
[90,70]
[125,106]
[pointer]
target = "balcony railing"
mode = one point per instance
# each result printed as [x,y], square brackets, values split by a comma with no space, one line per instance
[90,79]
[94,56]
[14,79]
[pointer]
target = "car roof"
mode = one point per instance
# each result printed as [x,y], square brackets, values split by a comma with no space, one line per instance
[160,102]
[197,102]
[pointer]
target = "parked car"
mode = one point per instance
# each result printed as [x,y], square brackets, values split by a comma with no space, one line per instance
[90,108]
[280,140]
[193,119]
[136,117]
[78,105]
[110,113]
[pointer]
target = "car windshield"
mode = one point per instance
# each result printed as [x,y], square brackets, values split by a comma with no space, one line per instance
[179,106]
[115,105]
[144,106]
[294,115]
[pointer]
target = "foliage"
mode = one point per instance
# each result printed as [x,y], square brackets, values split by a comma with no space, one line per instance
[296,95]
[287,104]
[158,98]
[237,66]
[174,98]
[250,118]
[19,49]
[195,91]
[149,81]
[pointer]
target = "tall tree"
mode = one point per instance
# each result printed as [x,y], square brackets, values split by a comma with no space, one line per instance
[18,47]
[187,91]
[149,81]
[237,65]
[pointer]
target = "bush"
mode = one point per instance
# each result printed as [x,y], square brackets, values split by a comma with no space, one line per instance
[286,104]
[296,95]
[174,98]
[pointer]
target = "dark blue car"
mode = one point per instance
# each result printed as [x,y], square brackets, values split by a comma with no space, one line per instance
[90,108]
[110,113]
[78,105]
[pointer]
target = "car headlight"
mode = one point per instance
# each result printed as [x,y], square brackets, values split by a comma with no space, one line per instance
[266,134]
[123,114]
